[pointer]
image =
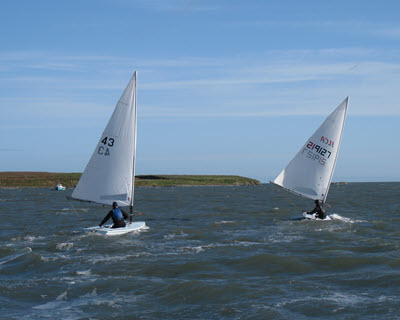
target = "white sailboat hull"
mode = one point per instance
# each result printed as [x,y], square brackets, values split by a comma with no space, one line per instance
[313,217]
[107,230]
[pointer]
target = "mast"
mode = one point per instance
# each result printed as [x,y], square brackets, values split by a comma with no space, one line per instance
[337,153]
[134,141]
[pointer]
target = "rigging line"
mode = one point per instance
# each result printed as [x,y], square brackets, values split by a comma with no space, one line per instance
[77,214]
[287,198]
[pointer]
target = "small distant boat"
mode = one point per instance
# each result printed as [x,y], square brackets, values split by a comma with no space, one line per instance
[60,187]
[110,173]
[309,173]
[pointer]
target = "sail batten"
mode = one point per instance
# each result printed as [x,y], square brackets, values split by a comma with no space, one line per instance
[310,172]
[109,174]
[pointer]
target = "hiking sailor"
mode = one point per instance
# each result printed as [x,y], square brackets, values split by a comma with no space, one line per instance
[319,210]
[117,216]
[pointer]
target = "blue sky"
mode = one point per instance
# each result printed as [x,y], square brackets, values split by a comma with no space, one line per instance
[224,87]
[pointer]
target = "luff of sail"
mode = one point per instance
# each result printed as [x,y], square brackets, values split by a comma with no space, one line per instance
[310,172]
[109,174]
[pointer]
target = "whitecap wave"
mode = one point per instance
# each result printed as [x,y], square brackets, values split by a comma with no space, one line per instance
[224,222]
[28,239]
[65,246]
[47,306]
[242,243]
[62,296]
[84,273]
[90,294]
[197,249]
[176,235]
[336,216]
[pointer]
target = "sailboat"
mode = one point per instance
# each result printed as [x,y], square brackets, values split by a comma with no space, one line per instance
[110,173]
[60,187]
[309,173]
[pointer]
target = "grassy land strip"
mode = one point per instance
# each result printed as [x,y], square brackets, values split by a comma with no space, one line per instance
[193,180]
[37,179]
[50,179]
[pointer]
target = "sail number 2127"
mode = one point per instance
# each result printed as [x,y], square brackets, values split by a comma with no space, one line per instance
[104,149]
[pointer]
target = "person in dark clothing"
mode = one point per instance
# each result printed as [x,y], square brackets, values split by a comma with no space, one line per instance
[117,216]
[319,210]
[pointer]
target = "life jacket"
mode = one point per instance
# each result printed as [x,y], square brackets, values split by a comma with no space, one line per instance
[117,214]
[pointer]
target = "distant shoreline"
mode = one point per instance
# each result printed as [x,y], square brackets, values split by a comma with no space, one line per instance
[19,179]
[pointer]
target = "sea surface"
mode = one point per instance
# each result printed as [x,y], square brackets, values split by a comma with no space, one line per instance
[208,253]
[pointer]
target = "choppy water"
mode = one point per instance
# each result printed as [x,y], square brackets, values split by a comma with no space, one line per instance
[209,253]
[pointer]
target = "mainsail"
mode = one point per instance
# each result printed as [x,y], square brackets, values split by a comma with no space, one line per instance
[310,172]
[109,175]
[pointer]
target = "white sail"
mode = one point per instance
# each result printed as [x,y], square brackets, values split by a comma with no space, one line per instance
[109,175]
[310,172]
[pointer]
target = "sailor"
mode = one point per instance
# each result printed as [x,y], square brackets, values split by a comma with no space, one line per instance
[319,210]
[117,216]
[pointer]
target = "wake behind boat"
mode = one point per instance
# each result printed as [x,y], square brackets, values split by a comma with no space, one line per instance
[309,173]
[110,173]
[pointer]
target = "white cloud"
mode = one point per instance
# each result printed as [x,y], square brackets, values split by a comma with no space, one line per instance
[393,32]
[275,83]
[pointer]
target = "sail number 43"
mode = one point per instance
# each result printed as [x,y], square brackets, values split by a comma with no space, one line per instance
[105,148]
